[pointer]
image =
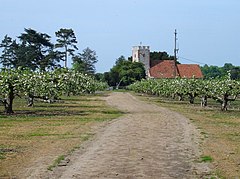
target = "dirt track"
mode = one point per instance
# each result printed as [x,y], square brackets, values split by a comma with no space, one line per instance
[147,142]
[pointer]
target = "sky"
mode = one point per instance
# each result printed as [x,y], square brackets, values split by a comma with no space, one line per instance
[208,30]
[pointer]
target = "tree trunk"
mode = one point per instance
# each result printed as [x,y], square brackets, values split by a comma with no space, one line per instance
[30,101]
[180,97]
[225,102]
[117,86]
[224,105]
[8,103]
[66,56]
[204,101]
[191,99]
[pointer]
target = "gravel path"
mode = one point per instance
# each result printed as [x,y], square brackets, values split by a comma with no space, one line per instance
[147,142]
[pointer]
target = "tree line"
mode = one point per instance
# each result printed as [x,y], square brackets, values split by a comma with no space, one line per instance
[35,50]
[125,72]
[216,72]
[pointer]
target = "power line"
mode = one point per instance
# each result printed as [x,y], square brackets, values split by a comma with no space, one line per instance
[193,61]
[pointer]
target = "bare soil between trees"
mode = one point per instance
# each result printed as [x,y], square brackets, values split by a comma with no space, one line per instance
[148,141]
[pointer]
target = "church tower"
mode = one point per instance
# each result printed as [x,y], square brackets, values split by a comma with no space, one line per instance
[142,54]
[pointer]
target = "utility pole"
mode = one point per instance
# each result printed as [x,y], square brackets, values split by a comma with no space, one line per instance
[175,46]
[175,52]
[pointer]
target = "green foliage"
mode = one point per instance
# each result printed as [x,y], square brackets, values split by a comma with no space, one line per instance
[99,77]
[84,62]
[34,51]
[125,72]
[66,40]
[8,54]
[160,56]
[235,73]
[222,90]
[44,85]
[10,87]
[155,56]
[210,72]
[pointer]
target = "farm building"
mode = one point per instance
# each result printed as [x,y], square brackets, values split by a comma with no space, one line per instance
[164,68]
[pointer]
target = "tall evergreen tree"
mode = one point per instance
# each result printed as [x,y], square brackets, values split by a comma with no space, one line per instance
[8,53]
[85,62]
[36,50]
[66,39]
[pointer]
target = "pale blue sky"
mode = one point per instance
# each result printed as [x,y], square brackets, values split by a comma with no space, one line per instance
[208,30]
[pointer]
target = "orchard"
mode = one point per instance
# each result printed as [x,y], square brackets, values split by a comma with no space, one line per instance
[222,90]
[43,85]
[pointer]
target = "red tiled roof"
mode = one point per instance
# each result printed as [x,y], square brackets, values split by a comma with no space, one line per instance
[189,71]
[168,69]
[163,69]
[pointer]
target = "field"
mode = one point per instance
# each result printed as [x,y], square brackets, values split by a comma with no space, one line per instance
[42,135]
[220,132]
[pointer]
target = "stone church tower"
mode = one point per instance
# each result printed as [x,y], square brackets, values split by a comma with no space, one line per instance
[142,54]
